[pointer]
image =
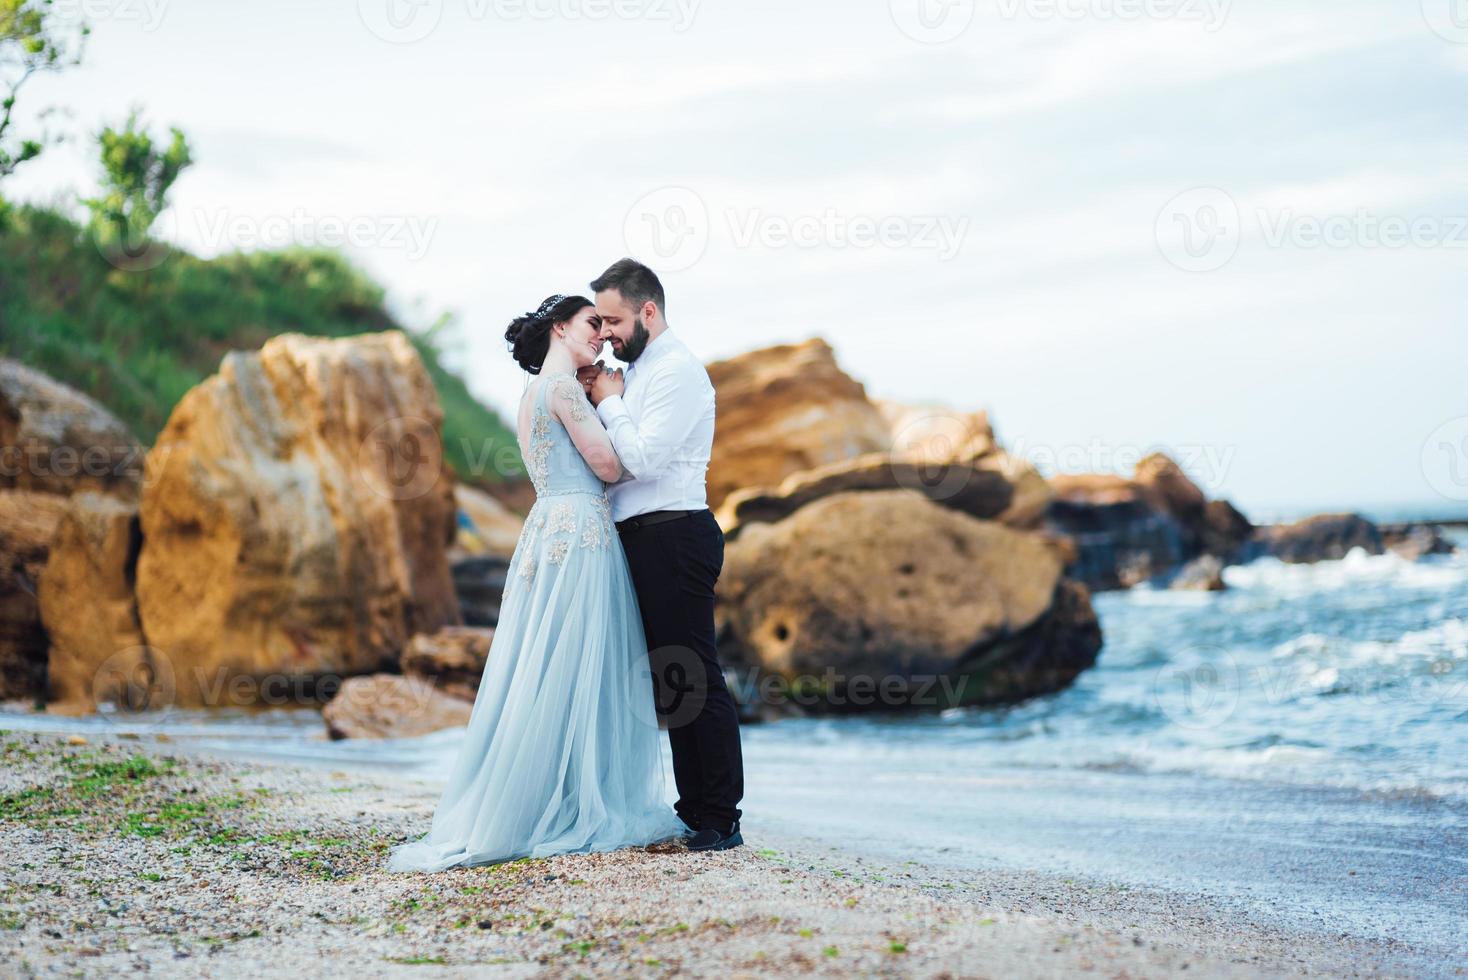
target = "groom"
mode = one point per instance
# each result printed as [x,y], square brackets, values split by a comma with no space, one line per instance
[661,421]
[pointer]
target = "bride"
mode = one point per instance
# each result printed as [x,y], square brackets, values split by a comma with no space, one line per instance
[562,752]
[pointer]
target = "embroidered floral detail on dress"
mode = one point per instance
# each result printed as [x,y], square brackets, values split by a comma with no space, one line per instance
[569,391]
[556,553]
[597,532]
[592,535]
[537,461]
[527,566]
[562,520]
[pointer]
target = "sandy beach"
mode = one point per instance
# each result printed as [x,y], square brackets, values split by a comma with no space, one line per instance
[129,854]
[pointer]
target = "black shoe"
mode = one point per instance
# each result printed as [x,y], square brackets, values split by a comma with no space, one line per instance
[710,839]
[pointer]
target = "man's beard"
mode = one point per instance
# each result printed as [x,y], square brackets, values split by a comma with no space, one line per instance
[632,349]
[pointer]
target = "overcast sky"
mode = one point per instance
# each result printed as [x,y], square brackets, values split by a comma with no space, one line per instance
[1237,231]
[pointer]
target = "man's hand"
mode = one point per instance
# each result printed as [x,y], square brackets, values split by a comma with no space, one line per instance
[605,384]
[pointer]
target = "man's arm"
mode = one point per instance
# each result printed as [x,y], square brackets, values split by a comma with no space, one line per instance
[672,406]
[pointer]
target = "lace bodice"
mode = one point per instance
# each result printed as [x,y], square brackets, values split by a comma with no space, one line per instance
[555,464]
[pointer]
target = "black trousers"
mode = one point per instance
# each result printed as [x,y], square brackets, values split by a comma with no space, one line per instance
[675,566]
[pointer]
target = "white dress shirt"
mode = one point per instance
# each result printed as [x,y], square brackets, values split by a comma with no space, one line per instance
[662,427]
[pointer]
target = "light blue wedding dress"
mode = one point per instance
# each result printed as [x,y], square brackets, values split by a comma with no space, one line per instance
[562,753]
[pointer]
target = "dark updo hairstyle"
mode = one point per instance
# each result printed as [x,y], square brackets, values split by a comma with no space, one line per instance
[528,336]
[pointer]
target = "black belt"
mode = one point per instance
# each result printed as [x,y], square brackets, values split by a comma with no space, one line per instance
[656,517]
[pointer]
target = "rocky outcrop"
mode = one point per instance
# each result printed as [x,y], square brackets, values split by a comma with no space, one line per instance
[783,410]
[54,439]
[1323,537]
[392,706]
[486,526]
[936,433]
[1202,574]
[54,442]
[948,456]
[88,607]
[1415,540]
[918,604]
[972,488]
[1128,531]
[452,659]
[28,522]
[296,515]
[479,583]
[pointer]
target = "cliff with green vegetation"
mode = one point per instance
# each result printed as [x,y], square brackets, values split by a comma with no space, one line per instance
[137,339]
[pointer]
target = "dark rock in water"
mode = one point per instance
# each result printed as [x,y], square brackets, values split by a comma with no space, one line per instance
[1323,537]
[1223,529]
[1127,531]
[479,583]
[885,600]
[1202,574]
[1119,544]
[1415,540]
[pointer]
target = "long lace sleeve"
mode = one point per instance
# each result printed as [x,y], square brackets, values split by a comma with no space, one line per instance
[568,403]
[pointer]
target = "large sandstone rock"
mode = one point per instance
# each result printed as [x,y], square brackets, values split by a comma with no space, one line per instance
[28,523]
[451,659]
[486,526]
[785,409]
[88,607]
[948,456]
[54,439]
[296,515]
[392,706]
[972,488]
[893,588]
[936,433]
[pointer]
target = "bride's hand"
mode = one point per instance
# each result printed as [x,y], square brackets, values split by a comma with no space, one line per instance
[605,384]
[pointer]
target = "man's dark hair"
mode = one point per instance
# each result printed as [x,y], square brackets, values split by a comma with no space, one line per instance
[636,282]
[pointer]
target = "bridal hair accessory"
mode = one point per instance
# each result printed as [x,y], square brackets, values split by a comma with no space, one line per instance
[547,306]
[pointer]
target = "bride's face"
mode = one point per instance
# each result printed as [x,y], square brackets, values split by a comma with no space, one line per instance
[582,337]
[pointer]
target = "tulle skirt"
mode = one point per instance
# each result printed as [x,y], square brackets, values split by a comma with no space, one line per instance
[562,753]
